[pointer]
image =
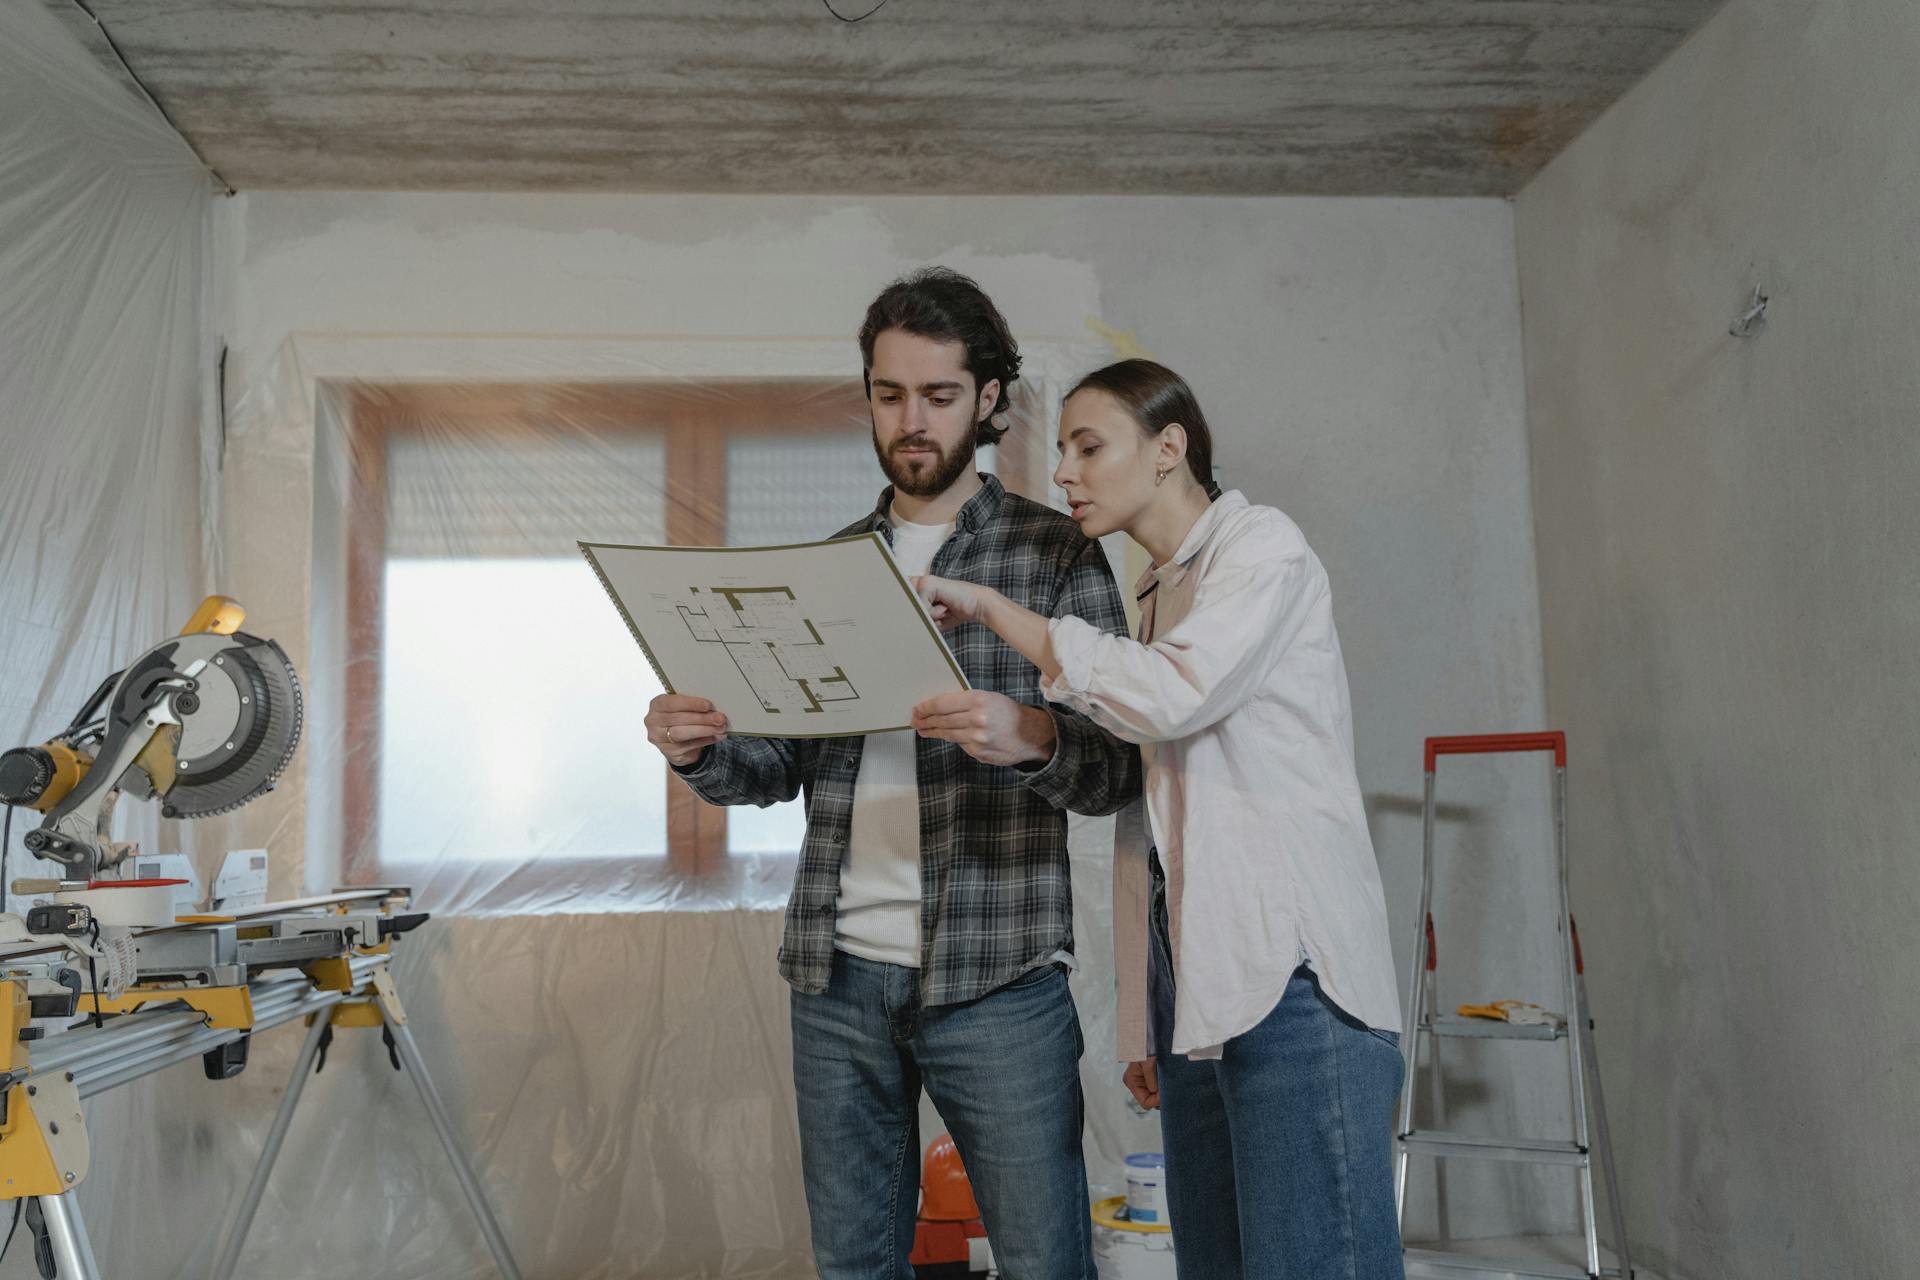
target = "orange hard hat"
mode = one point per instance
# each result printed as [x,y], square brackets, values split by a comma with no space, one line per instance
[945,1194]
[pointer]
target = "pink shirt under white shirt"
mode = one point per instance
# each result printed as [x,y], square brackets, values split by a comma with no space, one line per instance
[1237,695]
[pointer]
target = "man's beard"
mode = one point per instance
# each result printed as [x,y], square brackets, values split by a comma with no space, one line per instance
[925,481]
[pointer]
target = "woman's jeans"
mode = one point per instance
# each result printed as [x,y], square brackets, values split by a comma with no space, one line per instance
[1279,1152]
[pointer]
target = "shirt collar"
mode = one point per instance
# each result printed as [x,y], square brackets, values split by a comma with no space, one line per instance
[1174,571]
[976,514]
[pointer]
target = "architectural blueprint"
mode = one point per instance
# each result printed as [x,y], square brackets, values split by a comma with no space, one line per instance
[821,639]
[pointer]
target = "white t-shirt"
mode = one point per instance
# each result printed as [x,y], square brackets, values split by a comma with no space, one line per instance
[879,907]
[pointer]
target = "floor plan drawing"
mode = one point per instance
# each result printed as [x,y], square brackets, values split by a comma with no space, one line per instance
[809,641]
[777,649]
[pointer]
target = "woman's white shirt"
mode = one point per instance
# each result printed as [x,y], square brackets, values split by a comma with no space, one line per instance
[1237,695]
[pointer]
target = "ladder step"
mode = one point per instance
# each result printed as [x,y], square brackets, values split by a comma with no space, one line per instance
[1522,1150]
[1437,1265]
[1448,1024]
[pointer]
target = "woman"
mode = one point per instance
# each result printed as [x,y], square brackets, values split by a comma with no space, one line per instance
[1257,1008]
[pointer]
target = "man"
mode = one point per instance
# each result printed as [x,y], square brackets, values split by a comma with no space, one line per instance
[931,920]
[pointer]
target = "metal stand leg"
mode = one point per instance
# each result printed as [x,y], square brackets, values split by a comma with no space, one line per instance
[250,1203]
[1418,1011]
[72,1253]
[1437,1103]
[1576,1030]
[443,1124]
[1623,1252]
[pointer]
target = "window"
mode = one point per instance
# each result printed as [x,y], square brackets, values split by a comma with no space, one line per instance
[780,485]
[493,696]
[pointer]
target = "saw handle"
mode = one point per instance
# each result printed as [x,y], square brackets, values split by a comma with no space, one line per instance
[403,924]
[218,615]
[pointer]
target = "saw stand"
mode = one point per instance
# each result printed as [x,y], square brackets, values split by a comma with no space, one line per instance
[384,1011]
[43,1139]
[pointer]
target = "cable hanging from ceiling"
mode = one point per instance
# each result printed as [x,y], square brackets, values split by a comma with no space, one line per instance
[226,187]
[850,21]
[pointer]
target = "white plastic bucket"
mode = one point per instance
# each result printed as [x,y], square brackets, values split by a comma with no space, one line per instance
[1147,1188]
[1123,1250]
[1129,1255]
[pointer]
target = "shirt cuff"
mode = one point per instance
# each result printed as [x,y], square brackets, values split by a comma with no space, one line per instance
[1055,780]
[700,769]
[1073,641]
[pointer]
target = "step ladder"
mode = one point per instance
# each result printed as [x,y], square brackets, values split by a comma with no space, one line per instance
[1426,1025]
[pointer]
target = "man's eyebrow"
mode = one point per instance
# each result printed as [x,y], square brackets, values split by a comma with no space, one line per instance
[924,387]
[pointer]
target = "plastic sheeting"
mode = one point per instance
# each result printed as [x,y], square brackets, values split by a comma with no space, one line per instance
[450,604]
[105,469]
[101,264]
[597,994]
[456,607]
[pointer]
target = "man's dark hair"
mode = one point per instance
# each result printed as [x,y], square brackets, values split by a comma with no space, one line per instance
[942,304]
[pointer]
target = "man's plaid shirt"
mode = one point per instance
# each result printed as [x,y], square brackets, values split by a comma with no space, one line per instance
[995,895]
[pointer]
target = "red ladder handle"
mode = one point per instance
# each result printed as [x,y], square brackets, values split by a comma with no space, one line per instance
[1488,743]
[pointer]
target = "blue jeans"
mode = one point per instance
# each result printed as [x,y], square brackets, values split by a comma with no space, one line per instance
[1003,1071]
[1280,1152]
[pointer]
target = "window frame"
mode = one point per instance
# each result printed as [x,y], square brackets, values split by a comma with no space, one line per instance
[697,421]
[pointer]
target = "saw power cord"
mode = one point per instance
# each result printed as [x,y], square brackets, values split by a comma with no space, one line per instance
[93,977]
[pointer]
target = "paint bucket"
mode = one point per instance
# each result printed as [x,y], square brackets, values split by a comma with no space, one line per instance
[1147,1187]
[1127,1250]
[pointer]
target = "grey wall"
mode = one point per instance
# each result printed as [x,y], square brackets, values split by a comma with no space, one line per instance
[1730,596]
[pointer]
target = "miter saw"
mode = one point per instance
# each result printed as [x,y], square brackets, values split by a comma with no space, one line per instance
[205,721]
[105,978]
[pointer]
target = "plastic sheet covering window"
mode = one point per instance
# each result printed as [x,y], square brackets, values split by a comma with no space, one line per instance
[468,615]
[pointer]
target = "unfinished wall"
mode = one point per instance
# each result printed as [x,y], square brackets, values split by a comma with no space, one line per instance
[1359,361]
[1727,539]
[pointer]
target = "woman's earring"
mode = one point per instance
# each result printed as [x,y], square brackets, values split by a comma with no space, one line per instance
[1158,476]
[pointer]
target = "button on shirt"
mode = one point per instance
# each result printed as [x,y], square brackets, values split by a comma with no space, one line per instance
[1237,694]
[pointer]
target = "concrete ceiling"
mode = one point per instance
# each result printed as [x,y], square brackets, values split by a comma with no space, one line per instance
[1355,97]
